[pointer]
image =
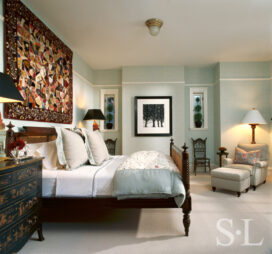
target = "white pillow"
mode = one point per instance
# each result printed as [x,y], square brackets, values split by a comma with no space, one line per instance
[71,149]
[96,147]
[48,150]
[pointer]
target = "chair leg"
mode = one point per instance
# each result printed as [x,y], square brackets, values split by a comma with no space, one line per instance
[195,168]
[214,189]
[209,167]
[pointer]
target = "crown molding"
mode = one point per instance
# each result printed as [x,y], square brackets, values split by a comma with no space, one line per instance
[91,84]
[154,83]
[245,79]
[199,85]
[117,85]
[83,79]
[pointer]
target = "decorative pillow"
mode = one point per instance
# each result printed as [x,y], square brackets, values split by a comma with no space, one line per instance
[96,147]
[243,157]
[48,150]
[71,149]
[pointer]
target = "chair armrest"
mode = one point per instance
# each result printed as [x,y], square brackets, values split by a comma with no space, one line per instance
[261,164]
[227,161]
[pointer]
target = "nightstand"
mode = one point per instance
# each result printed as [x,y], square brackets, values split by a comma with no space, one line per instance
[20,203]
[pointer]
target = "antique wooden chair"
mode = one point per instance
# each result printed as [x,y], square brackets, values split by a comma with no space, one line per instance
[111,144]
[200,159]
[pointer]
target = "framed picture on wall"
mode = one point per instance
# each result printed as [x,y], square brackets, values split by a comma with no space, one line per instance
[153,115]
[198,108]
[109,107]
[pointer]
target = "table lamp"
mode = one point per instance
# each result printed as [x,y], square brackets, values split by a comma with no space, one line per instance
[8,94]
[253,118]
[94,114]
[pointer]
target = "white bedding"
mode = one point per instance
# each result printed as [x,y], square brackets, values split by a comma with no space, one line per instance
[86,181]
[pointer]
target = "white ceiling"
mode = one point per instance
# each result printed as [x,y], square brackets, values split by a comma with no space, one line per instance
[111,33]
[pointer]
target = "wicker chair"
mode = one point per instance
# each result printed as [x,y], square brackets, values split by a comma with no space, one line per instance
[111,144]
[200,159]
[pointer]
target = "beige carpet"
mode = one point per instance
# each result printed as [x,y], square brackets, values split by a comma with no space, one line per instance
[161,230]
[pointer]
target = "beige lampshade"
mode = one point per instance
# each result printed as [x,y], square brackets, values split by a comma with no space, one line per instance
[253,117]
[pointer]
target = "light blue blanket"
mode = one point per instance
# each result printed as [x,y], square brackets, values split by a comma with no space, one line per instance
[148,183]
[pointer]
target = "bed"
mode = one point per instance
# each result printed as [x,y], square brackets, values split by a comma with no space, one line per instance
[73,208]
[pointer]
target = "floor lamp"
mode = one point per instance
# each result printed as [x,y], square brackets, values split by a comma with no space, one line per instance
[253,118]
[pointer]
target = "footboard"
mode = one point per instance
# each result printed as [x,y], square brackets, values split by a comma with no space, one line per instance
[181,159]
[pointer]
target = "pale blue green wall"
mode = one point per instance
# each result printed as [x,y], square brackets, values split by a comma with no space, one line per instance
[111,79]
[200,77]
[216,111]
[152,81]
[153,74]
[242,87]
[108,77]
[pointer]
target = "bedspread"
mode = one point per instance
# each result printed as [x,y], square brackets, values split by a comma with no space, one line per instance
[148,174]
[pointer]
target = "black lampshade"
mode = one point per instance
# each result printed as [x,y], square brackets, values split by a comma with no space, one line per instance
[8,90]
[94,114]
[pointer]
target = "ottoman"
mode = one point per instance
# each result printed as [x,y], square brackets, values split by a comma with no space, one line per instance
[232,179]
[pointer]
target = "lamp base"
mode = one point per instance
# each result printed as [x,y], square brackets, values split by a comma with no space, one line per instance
[253,127]
[95,126]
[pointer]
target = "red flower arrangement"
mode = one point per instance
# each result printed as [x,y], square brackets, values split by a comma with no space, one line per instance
[16,145]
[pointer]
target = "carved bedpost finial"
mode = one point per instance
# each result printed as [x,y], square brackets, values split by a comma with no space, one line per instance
[10,126]
[171,144]
[185,147]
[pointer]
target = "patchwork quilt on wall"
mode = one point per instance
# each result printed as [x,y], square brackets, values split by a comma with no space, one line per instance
[40,65]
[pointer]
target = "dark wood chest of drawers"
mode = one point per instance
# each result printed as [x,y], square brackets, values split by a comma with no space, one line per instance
[20,203]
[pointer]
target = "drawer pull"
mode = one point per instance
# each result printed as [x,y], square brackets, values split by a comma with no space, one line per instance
[32,221]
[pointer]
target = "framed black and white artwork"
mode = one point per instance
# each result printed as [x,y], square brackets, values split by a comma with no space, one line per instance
[153,116]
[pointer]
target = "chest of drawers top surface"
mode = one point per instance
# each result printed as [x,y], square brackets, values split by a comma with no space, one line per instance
[10,164]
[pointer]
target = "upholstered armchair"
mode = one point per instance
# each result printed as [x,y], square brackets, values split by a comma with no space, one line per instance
[258,171]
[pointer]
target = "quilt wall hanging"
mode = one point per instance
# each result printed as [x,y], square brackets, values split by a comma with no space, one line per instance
[40,65]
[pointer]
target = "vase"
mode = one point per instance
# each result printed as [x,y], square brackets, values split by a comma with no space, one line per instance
[198,124]
[15,155]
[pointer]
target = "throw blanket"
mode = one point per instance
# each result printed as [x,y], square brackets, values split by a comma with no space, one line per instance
[148,174]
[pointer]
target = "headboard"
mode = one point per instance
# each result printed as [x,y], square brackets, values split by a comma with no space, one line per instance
[36,134]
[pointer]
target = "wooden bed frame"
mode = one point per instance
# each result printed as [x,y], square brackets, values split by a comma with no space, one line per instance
[71,209]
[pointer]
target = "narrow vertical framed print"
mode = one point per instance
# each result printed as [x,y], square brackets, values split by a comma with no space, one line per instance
[109,107]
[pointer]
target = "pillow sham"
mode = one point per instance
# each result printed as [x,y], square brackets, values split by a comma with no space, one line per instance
[244,157]
[96,147]
[71,149]
[48,150]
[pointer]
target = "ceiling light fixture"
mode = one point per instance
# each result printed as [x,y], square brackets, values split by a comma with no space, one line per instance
[154,26]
